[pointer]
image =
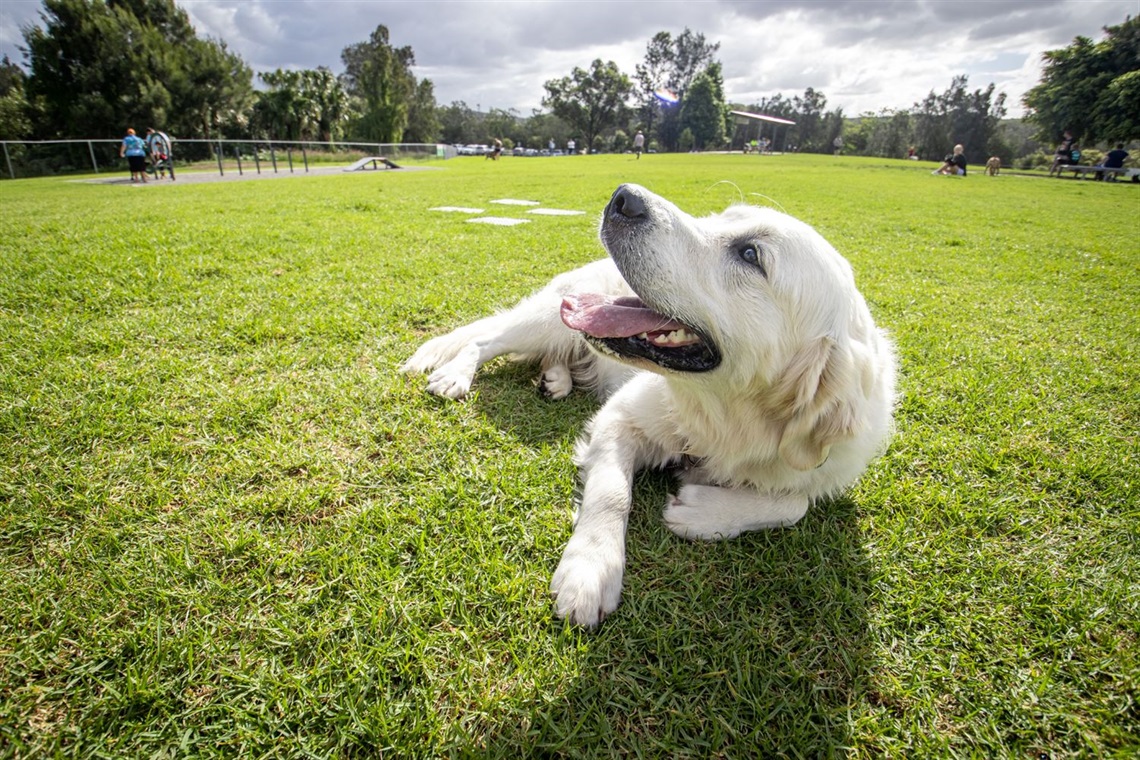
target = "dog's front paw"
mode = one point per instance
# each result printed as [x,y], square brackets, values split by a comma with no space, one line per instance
[587,583]
[556,382]
[449,382]
[696,515]
[424,360]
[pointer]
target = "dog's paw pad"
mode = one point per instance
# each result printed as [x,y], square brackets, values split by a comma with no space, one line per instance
[556,383]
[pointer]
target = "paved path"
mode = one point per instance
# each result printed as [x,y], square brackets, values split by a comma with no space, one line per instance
[248,172]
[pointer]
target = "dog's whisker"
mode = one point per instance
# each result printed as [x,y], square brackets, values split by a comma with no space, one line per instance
[735,187]
[771,200]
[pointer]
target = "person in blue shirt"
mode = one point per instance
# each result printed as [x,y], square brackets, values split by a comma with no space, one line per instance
[134,149]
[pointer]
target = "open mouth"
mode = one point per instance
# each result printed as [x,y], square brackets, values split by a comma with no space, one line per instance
[629,329]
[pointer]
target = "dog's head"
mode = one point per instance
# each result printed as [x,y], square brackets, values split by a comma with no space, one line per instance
[747,303]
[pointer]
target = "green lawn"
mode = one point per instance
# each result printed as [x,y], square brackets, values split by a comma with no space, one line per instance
[228,527]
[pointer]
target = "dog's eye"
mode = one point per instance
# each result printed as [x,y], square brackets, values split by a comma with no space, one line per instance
[750,254]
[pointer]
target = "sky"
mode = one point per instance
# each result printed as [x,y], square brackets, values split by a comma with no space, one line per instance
[864,55]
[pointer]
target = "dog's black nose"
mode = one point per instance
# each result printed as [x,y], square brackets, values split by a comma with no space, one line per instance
[627,203]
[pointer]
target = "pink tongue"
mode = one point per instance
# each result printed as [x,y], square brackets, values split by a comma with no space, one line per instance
[606,317]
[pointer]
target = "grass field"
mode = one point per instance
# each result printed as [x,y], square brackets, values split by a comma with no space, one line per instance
[228,527]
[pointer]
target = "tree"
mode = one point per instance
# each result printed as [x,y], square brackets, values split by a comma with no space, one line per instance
[690,55]
[831,127]
[211,94]
[703,111]
[888,134]
[670,64]
[590,101]
[380,77]
[778,106]
[809,117]
[457,124]
[98,66]
[309,104]
[502,124]
[1090,88]
[330,102]
[651,77]
[15,124]
[423,121]
[958,116]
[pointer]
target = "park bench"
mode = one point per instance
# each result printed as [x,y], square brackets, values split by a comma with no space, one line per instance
[1080,170]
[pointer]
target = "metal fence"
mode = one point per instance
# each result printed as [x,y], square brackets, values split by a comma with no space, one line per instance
[39,158]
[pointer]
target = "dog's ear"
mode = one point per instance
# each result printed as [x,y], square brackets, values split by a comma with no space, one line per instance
[825,387]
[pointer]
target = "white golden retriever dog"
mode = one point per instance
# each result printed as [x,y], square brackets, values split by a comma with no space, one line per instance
[734,347]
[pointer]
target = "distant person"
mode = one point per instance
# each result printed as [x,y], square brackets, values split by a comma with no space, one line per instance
[838,144]
[1114,159]
[953,165]
[496,150]
[1064,153]
[551,146]
[158,148]
[134,149]
[912,154]
[570,146]
[638,144]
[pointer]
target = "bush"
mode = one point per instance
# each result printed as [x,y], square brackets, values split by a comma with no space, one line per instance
[1091,157]
[620,142]
[1038,160]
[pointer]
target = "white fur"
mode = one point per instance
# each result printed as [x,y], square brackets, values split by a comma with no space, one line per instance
[799,405]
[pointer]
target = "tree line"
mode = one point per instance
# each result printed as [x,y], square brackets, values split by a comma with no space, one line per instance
[96,66]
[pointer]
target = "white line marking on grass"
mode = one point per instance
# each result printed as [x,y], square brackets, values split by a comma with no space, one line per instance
[555,212]
[457,209]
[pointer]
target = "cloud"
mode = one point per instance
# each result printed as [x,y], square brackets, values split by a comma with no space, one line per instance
[864,55]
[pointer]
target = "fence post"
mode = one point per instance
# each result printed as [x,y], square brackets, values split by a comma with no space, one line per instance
[305,158]
[8,159]
[289,153]
[273,156]
[221,171]
[91,150]
[237,152]
[257,158]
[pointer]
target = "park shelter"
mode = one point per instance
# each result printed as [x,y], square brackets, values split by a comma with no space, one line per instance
[751,126]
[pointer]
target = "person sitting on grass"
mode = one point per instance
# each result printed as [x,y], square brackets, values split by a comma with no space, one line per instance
[953,165]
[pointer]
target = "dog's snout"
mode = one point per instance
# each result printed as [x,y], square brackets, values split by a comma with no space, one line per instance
[627,203]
